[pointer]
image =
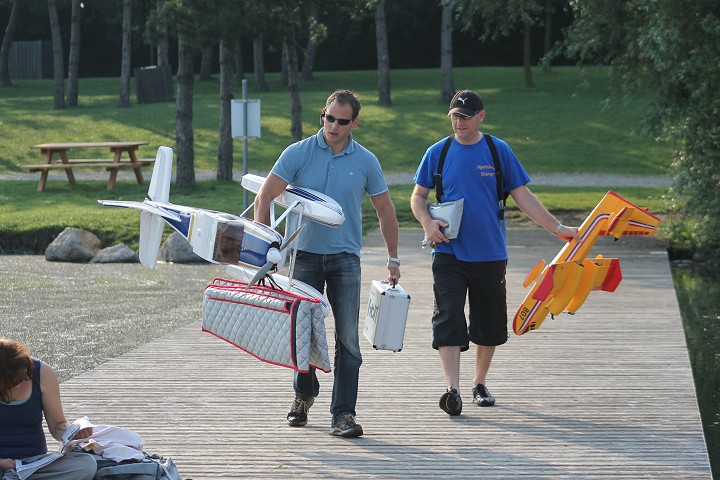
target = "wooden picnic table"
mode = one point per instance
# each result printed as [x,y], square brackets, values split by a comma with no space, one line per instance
[113,165]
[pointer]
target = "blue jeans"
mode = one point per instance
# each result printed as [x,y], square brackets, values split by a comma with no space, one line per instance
[339,274]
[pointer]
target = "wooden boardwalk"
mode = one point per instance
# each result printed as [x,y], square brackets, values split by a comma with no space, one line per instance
[607,393]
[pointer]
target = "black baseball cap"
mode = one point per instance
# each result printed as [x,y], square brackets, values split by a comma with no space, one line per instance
[466,102]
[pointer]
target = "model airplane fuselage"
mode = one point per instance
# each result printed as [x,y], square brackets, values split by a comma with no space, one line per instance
[214,236]
[566,282]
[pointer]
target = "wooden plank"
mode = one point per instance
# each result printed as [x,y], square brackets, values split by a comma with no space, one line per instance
[106,164]
[607,393]
[88,161]
[70,145]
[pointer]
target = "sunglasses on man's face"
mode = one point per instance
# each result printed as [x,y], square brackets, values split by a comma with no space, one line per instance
[331,119]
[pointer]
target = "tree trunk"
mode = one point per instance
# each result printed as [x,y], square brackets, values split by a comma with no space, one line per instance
[206,63]
[74,60]
[225,145]
[547,43]
[184,141]
[125,72]
[6,44]
[447,87]
[548,26]
[383,55]
[163,57]
[526,57]
[58,65]
[293,86]
[238,63]
[311,49]
[284,66]
[259,65]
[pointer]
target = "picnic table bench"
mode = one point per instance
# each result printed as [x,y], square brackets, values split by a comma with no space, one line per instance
[112,165]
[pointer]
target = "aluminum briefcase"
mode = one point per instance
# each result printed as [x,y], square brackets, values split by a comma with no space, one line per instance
[386,316]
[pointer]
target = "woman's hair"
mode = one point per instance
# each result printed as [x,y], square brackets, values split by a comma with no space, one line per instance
[16,366]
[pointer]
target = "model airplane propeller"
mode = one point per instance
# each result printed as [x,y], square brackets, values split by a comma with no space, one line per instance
[566,282]
[247,247]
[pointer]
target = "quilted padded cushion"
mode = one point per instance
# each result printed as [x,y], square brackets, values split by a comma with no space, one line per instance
[274,326]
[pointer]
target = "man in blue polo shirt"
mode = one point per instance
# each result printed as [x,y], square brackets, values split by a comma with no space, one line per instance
[333,163]
[473,264]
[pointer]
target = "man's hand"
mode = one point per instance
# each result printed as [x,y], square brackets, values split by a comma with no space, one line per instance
[393,273]
[567,233]
[7,464]
[433,232]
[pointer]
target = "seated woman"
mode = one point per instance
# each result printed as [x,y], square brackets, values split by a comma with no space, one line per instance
[29,388]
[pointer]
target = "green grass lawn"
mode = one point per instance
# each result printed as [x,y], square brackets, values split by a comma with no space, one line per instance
[563,125]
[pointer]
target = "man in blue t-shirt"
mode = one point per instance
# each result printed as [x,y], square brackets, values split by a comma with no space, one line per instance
[332,163]
[474,263]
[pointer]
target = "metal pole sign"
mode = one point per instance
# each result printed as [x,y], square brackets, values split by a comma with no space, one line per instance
[245,124]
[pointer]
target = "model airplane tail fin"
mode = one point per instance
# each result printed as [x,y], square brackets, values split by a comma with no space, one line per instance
[151,230]
[598,274]
[159,190]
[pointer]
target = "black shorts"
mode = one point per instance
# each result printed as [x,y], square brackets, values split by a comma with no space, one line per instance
[484,285]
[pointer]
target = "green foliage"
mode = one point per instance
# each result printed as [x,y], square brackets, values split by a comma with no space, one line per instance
[496,18]
[674,46]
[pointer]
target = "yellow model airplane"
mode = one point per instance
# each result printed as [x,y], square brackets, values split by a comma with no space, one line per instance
[567,281]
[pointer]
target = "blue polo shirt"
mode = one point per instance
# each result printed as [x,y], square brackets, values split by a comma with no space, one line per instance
[469,173]
[345,177]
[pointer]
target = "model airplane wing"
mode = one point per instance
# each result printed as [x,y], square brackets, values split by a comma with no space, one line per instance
[314,205]
[566,282]
[143,207]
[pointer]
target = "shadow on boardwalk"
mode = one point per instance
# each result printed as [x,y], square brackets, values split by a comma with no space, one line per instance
[583,397]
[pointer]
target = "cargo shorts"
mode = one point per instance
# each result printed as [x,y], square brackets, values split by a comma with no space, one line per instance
[483,284]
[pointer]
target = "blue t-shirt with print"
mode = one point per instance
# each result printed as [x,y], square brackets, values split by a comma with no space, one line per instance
[469,173]
[345,177]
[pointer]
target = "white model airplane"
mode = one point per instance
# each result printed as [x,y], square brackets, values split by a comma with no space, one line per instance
[250,249]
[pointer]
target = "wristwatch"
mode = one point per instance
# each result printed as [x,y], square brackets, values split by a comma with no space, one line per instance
[394,260]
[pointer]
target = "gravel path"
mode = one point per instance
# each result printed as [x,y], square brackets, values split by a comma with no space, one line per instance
[569,179]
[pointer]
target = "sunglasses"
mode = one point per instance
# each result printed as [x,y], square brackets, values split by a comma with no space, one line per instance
[331,119]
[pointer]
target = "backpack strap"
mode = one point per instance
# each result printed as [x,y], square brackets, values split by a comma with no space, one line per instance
[502,196]
[441,162]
